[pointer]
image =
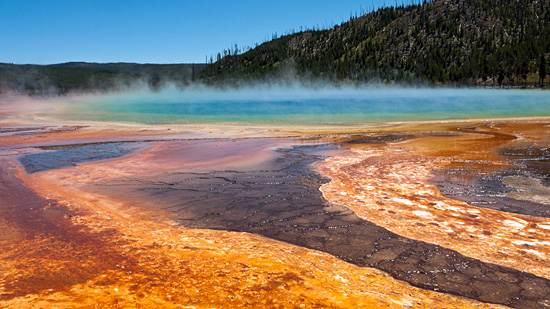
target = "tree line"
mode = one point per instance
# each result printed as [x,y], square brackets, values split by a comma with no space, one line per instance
[443,42]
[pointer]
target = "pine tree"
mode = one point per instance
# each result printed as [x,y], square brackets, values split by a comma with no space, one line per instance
[542,70]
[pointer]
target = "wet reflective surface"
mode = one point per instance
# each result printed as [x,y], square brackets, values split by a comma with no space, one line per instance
[284,203]
[381,138]
[523,188]
[62,156]
[376,210]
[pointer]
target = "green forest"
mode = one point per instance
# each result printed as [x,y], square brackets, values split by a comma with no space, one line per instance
[444,42]
[479,43]
[68,77]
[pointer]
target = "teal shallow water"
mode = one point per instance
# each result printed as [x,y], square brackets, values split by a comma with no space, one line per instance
[295,106]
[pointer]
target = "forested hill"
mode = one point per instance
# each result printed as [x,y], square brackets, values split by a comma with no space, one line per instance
[89,77]
[462,42]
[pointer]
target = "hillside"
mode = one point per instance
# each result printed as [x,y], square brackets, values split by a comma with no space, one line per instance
[444,42]
[88,77]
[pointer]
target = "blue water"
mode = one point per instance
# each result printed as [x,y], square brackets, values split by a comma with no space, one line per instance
[310,106]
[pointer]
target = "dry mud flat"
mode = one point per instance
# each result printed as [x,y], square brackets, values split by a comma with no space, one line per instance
[100,217]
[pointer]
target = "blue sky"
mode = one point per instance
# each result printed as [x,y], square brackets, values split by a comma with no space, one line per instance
[162,31]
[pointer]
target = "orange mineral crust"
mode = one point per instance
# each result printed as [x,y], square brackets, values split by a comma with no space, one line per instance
[89,180]
[66,251]
[81,234]
[390,187]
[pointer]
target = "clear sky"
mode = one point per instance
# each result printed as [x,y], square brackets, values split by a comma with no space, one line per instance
[161,31]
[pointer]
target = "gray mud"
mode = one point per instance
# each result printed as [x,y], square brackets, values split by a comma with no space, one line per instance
[55,157]
[384,138]
[522,189]
[284,203]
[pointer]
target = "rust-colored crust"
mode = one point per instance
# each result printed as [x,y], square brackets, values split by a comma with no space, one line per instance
[64,245]
[93,256]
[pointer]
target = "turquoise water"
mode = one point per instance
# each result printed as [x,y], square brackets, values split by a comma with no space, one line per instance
[310,106]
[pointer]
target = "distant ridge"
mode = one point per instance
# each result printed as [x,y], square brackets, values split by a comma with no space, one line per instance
[443,42]
[63,78]
[93,64]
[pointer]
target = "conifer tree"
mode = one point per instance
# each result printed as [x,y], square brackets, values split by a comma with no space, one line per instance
[542,70]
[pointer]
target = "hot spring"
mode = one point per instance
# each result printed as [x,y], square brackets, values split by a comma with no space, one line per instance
[299,106]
